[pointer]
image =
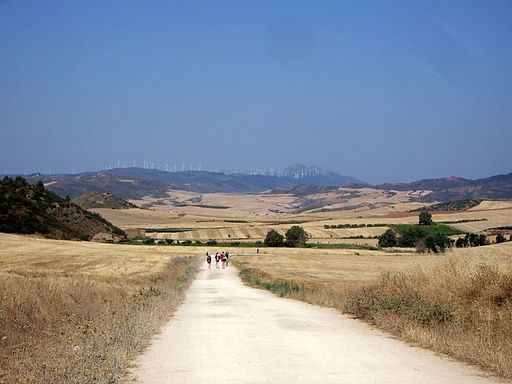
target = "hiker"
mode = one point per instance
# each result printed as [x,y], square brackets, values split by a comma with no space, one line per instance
[217,259]
[227,259]
[223,258]
[208,260]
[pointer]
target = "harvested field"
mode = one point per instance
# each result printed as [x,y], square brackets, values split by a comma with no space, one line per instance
[76,312]
[251,222]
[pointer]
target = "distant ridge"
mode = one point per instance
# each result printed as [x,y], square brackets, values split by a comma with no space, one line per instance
[135,183]
[457,188]
[310,175]
[123,187]
[206,181]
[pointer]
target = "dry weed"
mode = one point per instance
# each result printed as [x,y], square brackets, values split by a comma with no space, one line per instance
[78,329]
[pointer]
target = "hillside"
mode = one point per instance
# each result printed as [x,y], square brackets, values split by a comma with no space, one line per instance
[123,187]
[453,205]
[31,209]
[136,183]
[203,181]
[102,200]
[456,188]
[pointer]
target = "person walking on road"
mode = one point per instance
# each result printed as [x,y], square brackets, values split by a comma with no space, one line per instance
[209,260]
[227,258]
[217,259]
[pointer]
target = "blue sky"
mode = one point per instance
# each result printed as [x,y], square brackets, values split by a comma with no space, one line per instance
[382,91]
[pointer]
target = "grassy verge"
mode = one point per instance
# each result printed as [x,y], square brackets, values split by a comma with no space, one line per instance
[82,328]
[459,307]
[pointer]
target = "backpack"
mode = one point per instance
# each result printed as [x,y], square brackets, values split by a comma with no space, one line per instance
[209,259]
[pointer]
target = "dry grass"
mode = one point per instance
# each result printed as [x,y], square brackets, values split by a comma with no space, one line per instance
[325,277]
[459,303]
[75,312]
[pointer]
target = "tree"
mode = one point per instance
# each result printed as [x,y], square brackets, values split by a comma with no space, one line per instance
[388,239]
[296,236]
[500,238]
[409,235]
[425,218]
[274,239]
[461,242]
[438,242]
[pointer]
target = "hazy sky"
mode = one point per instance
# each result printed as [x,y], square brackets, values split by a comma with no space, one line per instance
[378,90]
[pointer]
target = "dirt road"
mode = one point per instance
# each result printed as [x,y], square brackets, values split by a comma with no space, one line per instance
[226,332]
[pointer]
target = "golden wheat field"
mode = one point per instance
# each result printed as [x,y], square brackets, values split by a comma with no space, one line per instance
[76,312]
[361,266]
[25,254]
[328,265]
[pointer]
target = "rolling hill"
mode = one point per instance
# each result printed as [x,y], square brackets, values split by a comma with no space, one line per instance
[31,209]
[102,200]
[456,188]
[136,183]
[121,186]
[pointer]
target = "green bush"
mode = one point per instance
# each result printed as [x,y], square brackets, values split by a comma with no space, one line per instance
[388,239]
[425,218]
[148,241]
[296,236]
[438,242]
[274,239]
[500,238]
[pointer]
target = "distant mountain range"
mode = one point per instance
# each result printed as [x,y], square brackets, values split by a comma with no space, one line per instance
[457,188]
[135,183]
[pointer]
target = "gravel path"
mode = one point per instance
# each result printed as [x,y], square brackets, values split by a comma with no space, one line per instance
[226,332]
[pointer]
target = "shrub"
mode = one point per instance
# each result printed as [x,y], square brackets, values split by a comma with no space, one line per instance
[274,239]
[500,238]
[425,218]
[438,242]
[148,241]
[461,243]
[296,236]
[388,239]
